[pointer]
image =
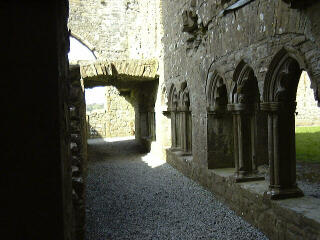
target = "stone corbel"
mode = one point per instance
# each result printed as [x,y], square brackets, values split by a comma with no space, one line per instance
[189,21]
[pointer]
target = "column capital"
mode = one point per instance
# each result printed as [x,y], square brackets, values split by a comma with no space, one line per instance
[239,108]
[278,106]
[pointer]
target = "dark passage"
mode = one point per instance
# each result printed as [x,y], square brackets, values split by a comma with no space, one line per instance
[137,196]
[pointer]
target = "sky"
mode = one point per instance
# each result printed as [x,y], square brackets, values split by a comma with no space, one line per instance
[78,51]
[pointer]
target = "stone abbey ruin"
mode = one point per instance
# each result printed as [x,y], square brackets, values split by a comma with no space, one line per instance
[213,85]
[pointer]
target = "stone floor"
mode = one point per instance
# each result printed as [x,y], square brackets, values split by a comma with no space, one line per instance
[308,178]
[131,195]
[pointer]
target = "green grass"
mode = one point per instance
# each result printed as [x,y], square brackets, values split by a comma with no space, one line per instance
[308,144]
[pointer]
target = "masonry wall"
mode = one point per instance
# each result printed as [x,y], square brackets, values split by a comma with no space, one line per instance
[126,30]
[308,112]
[202,38]
[116,29]
[253,33]
[36,176]
[116,120]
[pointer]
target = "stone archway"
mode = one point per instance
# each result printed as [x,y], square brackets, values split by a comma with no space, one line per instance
[137,77]
[219,123]
[244,105]
[280,102]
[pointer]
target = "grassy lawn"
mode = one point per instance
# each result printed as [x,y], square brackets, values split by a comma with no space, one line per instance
[308,144]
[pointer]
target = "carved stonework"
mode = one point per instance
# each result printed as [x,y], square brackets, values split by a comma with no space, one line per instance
[172,108]
[181,120]
[185,119]
[219,123]
[217,96]
[189,21]
[243,100]
[279,101]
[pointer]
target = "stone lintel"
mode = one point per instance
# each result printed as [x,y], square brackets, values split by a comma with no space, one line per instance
[135,68]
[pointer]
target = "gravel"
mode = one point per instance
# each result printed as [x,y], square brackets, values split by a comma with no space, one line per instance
[137,196]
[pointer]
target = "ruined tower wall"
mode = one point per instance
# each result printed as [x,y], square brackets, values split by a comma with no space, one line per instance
[116,29]
[125,30]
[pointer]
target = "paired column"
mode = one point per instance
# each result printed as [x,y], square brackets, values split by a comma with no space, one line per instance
[186,130]
[281,150]
[174,129]
[244,132]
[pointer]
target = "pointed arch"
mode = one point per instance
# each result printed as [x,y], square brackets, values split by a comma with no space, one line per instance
[280,103]
[219,123]
[173,98]
[85,43]
[216,92]
[184,97]
[282,78]
[164,96]
[185,118]
[244,102]
[245,85]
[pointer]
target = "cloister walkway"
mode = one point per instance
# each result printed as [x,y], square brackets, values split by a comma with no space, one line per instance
[131,195]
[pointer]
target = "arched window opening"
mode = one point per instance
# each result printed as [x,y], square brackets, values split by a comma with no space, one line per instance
[181,119]
[307,131]
[219,124]
[79,51]
[280,102]
[186,120]
[173,109]
[244,105]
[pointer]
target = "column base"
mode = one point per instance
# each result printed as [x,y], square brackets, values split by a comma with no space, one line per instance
[184,154]
[278,193]
[248,178]
[175,149]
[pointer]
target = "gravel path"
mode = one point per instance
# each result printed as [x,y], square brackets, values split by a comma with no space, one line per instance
[137,196]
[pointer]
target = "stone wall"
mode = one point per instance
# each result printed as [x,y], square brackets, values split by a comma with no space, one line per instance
[78,147]
[289,219]
[230,54]
[206,38]
[116,29]
[308,112]
[116,120]
[36,191]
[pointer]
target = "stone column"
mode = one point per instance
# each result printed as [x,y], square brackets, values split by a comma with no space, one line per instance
[186,130]
[178,129]
[244,131]
[173,129]
[78,137]
[282,151]
[189,132]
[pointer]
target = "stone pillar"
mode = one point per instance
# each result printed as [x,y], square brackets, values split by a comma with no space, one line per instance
[189,131]
[186,130]
[178,130]
[244,131]
[282,150]
[173,129]
[78,132]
